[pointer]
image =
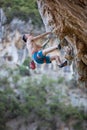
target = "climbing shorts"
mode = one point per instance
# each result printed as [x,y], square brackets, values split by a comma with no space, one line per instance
[40,58]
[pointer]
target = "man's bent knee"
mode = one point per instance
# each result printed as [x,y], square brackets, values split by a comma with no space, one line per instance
[44,52]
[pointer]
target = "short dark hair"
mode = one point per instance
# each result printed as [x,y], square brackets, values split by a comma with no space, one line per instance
[24,38]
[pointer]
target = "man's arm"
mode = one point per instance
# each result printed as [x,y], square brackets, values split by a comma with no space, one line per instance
[40,36]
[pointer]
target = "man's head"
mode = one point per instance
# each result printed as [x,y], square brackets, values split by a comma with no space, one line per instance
[24,38]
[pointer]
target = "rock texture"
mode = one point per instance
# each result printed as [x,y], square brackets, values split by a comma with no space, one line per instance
[67,19]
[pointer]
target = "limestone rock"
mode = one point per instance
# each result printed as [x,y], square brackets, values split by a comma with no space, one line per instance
[67,19]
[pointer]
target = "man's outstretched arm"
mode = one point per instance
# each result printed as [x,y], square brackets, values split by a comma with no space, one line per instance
[40,36]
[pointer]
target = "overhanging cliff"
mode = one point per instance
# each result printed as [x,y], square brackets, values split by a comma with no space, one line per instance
[67,19]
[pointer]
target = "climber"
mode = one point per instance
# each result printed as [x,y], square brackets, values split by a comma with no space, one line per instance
[38,54]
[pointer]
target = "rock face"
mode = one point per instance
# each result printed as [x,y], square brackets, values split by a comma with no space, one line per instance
[67,19]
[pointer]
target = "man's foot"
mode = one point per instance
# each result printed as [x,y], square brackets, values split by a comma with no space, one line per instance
[59,46]
[63,64]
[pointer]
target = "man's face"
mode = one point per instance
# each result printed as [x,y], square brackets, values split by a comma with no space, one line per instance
[27,35]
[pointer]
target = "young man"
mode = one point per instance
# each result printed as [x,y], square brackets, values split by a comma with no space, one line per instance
[37,52]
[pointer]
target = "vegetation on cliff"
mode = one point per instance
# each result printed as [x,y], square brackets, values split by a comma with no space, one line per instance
[21,9]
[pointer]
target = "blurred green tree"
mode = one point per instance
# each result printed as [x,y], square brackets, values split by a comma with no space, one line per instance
[22,9]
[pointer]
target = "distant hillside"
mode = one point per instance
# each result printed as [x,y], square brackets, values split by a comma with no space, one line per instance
[21,9]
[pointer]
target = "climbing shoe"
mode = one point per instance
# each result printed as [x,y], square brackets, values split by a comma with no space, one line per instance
[63,64]
[59,47]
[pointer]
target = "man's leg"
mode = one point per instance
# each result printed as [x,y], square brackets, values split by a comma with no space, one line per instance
[58,61]
[48,50]
[57,58]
